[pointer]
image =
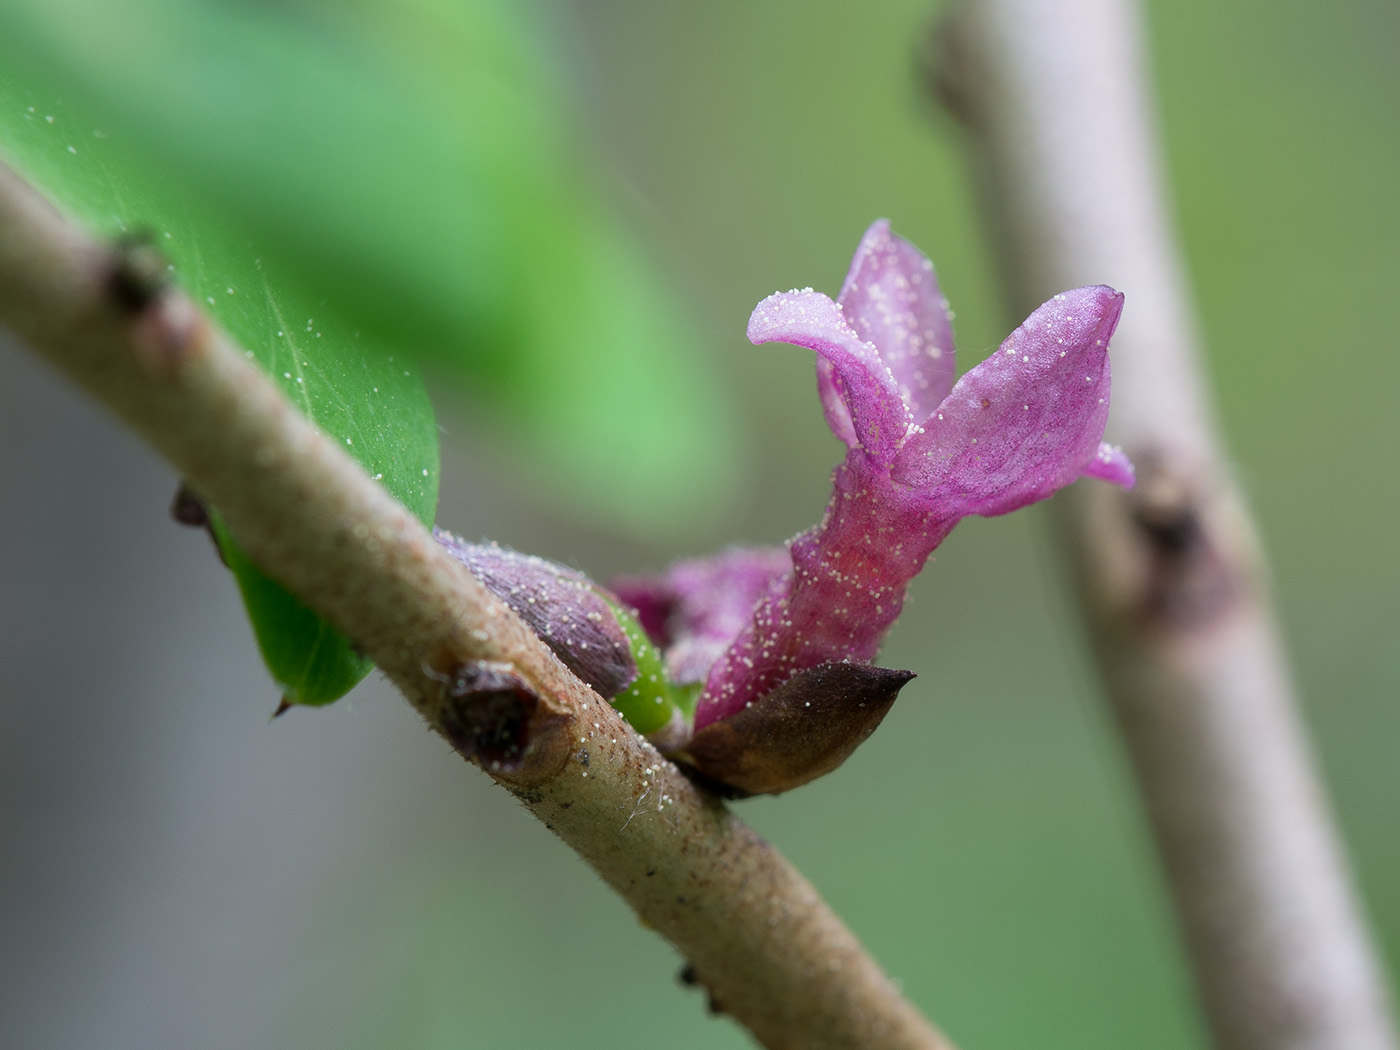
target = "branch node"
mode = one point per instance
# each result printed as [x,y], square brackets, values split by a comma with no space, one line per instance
[188,509]
[1190,584]
[168,330]
[139,272]
[690,978]
[169,334]
[494,717]
[947,70]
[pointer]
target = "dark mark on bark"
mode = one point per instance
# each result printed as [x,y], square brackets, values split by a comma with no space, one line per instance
[139,274]
[1189,583]
[1164,510]
[488,712]
[189,509]
[948,72]
[691,979]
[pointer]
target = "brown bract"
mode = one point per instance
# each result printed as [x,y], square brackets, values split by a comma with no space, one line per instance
[802,730]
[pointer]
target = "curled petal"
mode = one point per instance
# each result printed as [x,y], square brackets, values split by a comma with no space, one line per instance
[1026,421]
[875,416]
[838,416]
[1111,463]
[891,298]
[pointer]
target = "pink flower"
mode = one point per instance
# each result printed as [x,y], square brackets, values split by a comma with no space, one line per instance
[923,453]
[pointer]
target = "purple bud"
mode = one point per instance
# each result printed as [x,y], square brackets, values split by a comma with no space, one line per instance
[567,610]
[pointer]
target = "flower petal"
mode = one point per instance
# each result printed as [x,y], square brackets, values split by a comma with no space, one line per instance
[1111,463]
[1026,421]
[892,299]
[876,416]
[838,416]
[699,607]
[845,588]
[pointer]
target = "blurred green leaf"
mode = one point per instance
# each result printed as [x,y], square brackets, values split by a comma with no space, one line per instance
[368,398]
[314,662]
[410,163]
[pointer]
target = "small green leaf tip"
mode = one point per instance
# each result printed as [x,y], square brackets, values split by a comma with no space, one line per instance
[651,704]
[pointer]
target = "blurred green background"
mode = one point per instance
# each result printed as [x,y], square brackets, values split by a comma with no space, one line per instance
[179,871]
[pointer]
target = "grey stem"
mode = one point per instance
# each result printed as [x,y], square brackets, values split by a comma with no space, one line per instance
[1170,575]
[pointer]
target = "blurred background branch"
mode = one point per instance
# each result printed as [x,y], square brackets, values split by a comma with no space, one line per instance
[1170,575]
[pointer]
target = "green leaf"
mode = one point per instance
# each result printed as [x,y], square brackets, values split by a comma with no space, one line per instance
[412,164]
[367,398]
[315,663]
